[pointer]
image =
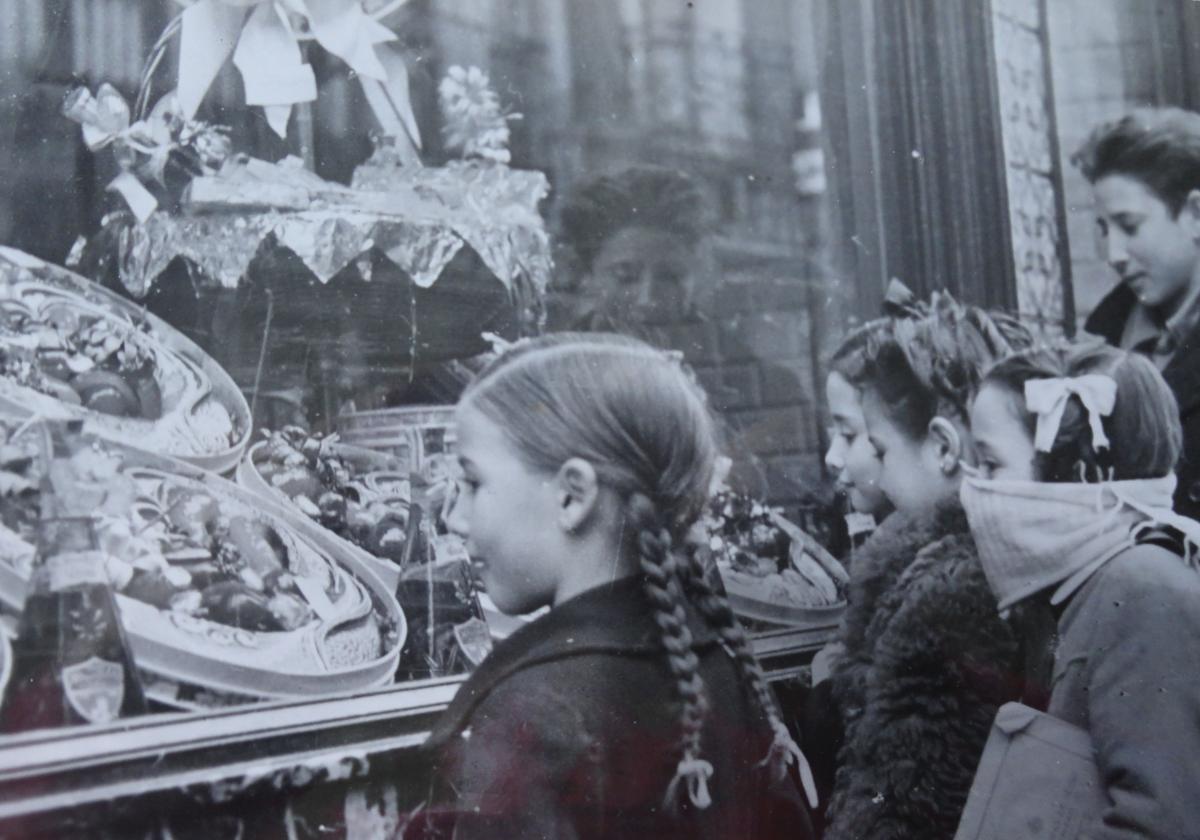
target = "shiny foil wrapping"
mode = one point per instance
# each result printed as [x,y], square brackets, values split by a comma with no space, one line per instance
[418,217]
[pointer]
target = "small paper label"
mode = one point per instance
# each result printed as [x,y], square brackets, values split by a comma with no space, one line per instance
[314,593]
[95,688]
[139,199]
[69,569]
[860,523]
[475,639]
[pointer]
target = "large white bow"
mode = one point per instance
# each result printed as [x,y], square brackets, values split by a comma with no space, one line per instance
[266,51]
[1047,398]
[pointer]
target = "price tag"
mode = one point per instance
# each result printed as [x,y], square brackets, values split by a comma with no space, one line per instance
[314,593]
[69,569]
[860,523]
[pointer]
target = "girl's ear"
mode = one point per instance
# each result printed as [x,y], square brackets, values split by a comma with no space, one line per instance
[948,444]
[1191,214]
[578,493]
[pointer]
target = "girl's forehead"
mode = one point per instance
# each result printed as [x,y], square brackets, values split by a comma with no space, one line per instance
[474,428]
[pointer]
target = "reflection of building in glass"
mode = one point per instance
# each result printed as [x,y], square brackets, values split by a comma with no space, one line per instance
[726,90]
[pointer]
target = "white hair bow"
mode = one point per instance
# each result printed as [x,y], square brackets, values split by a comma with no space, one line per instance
[1047,398]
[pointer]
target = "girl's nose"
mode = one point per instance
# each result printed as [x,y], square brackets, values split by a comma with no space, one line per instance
[835,456]
[1116,250]
[456,518]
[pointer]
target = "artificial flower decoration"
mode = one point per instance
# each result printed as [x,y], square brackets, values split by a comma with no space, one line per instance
[474,122]
[264,37]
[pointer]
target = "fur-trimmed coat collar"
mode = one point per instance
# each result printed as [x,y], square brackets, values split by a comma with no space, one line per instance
[927,662]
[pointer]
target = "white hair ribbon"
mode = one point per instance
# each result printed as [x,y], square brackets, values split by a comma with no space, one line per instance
[1047,398]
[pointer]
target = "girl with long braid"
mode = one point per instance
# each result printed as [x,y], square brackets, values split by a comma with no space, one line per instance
[634,707]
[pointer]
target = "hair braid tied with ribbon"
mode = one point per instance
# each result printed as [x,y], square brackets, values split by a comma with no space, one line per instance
[660,572]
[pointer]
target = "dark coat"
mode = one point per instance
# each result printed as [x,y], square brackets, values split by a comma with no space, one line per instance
[569,729]
[1182,374]
[1124,669]
[927,664]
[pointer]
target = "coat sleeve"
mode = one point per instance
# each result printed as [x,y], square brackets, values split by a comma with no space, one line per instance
[523,765]
[1143,705]
[942,668]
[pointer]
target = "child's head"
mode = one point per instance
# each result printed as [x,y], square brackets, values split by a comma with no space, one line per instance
[1143,429]
[850,455]
[1145,176]
[917,378]
[630,409]
[576,441]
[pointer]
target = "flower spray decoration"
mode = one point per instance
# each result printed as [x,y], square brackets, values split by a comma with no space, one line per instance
[474,122]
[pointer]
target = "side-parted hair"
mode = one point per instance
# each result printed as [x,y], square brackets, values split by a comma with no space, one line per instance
[643,423]
[929,366]
[1158,146]
[643,196]
[1144,432]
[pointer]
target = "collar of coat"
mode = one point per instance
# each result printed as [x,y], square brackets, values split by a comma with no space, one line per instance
[1182,372]
[615,619]
[877,566]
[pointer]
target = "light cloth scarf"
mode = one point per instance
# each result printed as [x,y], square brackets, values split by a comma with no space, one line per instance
[1033,535]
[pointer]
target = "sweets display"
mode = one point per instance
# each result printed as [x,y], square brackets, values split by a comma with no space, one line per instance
[216,589]
[385,506]
[70,349]
[360,495]
[771,569]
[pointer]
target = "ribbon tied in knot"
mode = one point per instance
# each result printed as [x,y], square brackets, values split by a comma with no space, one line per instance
[1047,398]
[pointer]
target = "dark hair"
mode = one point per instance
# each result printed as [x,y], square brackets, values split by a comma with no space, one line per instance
[643,423]
[929,366]
[1144,432]
[850,356]
[646,196]
[1158,146]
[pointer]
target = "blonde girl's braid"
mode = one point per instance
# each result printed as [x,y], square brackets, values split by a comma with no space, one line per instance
[717,612]
[660,575]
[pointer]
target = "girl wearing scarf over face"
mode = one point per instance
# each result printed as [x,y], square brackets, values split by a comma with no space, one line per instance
[926,662]
[1071,513]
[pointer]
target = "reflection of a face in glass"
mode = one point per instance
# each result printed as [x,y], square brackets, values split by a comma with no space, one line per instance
[644,275]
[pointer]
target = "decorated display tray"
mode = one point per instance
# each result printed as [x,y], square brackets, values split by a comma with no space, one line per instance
[360,495]
[71,349]
[772,570]
[226,596]
[385,511]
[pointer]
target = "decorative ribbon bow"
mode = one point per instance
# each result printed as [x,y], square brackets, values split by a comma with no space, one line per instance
[900,302]
[1047,398]
[144,147]
[266,49]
